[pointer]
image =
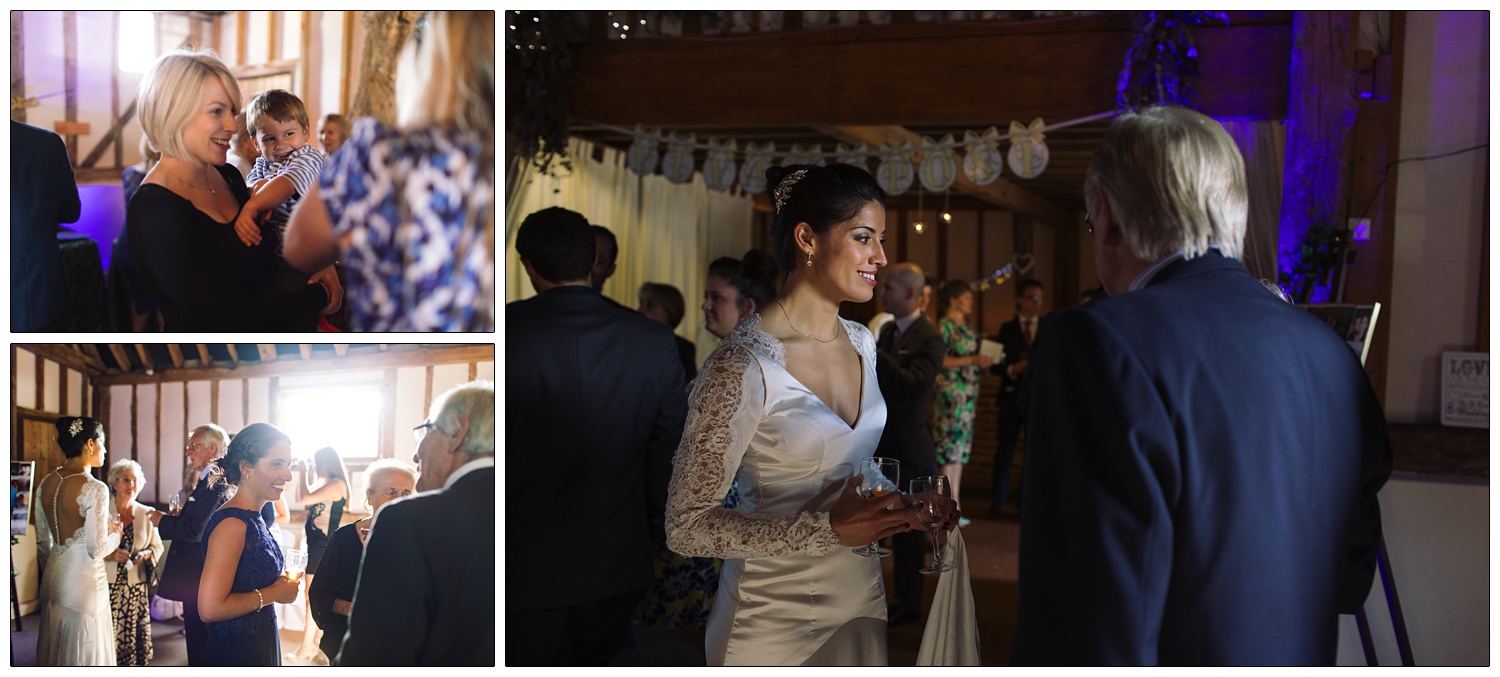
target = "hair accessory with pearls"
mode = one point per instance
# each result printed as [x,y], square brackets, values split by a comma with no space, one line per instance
[784,188]
[75,427]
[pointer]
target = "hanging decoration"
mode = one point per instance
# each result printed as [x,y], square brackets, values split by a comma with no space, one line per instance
[1028,153]
[718,168]
[643,151]
[753,172]
[1023,262]
[812,155]
[938,168]
[853,156]
[894,175]
[539,50]
[1163,59]
[677,166]
[982,161]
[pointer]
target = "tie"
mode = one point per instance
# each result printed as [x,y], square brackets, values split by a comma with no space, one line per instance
[1030,325]
[888,336]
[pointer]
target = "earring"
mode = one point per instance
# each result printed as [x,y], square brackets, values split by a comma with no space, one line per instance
[809,258]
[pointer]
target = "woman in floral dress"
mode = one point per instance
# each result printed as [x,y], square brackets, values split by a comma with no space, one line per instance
[957,388]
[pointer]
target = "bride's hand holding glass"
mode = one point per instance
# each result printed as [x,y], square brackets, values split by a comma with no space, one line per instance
[861,521]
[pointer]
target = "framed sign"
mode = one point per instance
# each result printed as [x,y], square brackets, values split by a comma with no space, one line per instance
[21,480]
[1466,389]
[1354,322]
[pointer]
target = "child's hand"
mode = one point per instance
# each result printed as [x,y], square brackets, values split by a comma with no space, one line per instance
[246,227]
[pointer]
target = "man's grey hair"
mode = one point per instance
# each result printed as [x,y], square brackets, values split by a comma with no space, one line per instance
[908,275]
[1174,180]
[213,433]
[476,400]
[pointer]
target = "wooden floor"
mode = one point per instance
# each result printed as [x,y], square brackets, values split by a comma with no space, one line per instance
[992,547]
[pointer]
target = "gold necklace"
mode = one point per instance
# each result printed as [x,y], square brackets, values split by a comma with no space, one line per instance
[836,331]
[210,182]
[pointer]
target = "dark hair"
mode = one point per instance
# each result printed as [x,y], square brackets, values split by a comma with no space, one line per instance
[951,290]
[753,276]
[558,243]
[823,197]
[668,298]
[72,442]
[249,446]
[1094,294]
[1028,283]
[614,245]
[330,465]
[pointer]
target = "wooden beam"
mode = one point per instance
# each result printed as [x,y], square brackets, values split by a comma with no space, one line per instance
[203,356]
[66,354]
[305,349]
[118,351]
[242,30]
[304,62]
[346,63]
[17,77]
[234,356]
[70,80]
[213,399]
[340,349]
[1001,193]
[93,354]
[114,85]
[267,351]
[158,438]
[110,135]
[381,346]
[146,361]
[427,390]
[273,21]
[387,442]
[176,352]
[455,354]
[62,391]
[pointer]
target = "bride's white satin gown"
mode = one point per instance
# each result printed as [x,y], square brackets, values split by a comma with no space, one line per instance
[76,625]
[789,594]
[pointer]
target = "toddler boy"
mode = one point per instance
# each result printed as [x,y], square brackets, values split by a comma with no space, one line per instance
[286,169]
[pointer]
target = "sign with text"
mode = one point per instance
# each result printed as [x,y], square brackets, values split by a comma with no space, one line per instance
[1466,389]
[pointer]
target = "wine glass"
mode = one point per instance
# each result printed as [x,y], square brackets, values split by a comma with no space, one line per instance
[936,499]
[878,477]
[296,563]
[175,504]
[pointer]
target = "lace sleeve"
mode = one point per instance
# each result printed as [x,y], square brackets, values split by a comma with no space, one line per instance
[93,500]
[724,410]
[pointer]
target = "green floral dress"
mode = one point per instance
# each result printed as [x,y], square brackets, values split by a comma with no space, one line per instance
[957,392]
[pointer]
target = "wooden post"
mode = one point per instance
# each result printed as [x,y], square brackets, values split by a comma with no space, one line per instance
[346,63]
[243,31]
[70,80]
[114,84]
[17,73]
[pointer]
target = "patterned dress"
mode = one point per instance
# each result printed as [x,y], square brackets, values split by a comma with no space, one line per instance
[418,206]
[957,392]
[131,607]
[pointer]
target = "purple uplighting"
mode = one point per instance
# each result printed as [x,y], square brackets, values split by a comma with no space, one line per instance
[102,217]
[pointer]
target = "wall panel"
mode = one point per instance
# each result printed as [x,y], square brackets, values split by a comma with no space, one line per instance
[198,406]
[173,439]
[118,439]
[445,376]
[231,413]
[148,450]
[260,399]
[410,409]
[25,375]
[76,394]
[485,371]
[51,377]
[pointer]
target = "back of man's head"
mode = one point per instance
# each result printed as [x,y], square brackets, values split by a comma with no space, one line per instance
[558,244]
[1174,180]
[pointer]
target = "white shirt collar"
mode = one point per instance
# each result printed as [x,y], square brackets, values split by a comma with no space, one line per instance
[471,466]
[1150,272]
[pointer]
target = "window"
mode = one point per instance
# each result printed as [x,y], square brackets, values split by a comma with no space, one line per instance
[137,41]
[345,417]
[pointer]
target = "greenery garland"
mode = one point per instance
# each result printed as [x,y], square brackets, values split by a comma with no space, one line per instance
[539,51]
[1162,59]
[1313,261]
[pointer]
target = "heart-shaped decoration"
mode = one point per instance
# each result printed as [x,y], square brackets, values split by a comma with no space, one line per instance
[1023,262]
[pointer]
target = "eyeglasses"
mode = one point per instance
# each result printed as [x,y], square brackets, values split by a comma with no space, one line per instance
[1033,298]
[420,431]
[195,445]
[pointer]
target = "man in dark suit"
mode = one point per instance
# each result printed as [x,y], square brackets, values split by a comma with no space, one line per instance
[598,404]
[909,353]
[1018,336]
[426,589]
[43,194]
[1202,458]
[184,565]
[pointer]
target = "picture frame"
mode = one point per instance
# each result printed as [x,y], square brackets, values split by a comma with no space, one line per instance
[22,481]
[1354,322]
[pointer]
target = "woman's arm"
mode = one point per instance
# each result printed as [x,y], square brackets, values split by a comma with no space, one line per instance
[975,360]
[283,513]
[329,491]
[220,563]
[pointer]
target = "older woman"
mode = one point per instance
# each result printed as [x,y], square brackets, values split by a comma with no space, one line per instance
[663,303]
[410,211]
[128,569]
[332,130]
[180,221]
[957,389]
[331,592]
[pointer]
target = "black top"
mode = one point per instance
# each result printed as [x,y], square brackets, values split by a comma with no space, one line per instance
[335,579]
[202,276]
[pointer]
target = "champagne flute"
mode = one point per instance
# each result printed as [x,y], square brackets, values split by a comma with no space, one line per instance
[878,477]
[936,500]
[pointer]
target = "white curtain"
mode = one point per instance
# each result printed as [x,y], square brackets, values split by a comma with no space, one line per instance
[1263,144]
[667,232]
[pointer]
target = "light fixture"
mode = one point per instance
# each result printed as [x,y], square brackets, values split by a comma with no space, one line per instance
[920,227]
[947,217]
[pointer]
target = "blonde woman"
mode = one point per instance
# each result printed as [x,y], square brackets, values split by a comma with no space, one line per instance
[128,569]
[333,129]
[410,211]
[180,220]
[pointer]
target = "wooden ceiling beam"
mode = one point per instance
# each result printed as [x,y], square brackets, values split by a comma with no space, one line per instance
[93,353]
[234,356]
[66,354]
[340,349]
[123,359]
[305,349]
[267,351]
[203,357]
[1001,193]
[451,354]
[146,361]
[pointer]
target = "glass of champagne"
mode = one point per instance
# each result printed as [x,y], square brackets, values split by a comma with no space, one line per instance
[936,499]
[296,564]
[174,505]
[878,477]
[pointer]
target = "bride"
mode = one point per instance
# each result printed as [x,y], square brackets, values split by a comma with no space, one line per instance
[790,401]
[74,525]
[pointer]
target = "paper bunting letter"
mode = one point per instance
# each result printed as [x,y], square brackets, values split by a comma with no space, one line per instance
[643,151]
[983,163]
[894,175]
[812,155]
[938,166]
[677,166]
[753,172]
[853,156]
[718,168]
[1028,152]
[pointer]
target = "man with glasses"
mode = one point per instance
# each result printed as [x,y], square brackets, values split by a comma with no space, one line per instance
[184,530]
[1018,336]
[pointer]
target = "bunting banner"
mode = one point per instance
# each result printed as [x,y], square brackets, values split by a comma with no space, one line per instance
[1028,153]
[982,161]
[718,168]
[894,174]
[753,172]
[853,156]
[677,166]
[938,168]
[643,151]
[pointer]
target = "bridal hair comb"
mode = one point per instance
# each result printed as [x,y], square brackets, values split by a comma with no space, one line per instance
[75,427]
[784,188]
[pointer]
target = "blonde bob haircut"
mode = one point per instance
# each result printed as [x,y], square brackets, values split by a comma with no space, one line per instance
[445,76]
[169,91]
[1174,180]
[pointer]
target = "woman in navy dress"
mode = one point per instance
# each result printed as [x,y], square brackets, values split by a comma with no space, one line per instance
[242,564]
